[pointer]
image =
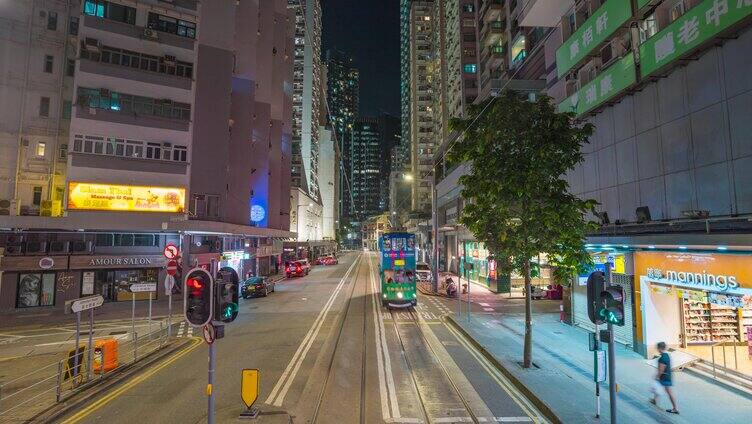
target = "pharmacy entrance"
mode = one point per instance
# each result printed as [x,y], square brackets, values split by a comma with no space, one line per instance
[697,302]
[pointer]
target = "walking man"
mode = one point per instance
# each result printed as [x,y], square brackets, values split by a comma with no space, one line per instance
[663,377]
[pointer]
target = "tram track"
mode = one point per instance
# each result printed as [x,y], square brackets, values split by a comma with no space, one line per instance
[422,398]
[337,344]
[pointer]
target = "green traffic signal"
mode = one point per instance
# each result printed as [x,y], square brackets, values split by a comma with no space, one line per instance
[228,310]
[612,309]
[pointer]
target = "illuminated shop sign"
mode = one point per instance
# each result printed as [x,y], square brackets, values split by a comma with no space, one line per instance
[110,197]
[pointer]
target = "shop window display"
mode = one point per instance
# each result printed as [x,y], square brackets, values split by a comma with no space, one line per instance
[114,285]
[36,289]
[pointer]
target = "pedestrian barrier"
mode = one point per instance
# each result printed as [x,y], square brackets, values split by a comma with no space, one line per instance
[24,397]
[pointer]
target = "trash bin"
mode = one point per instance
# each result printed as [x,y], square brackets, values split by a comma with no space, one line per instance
[107,349]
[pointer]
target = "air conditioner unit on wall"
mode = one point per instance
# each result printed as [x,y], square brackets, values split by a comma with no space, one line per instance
[58,247]
[36,247]
[151,34]
[5,206]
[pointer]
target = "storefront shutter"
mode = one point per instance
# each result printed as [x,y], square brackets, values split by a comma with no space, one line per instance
[623,334]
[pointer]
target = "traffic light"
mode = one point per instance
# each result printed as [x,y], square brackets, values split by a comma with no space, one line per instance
[596,284]
[612,306]
[197,297]
[227,294]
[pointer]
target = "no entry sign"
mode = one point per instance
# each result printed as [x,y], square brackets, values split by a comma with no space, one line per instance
[172,267]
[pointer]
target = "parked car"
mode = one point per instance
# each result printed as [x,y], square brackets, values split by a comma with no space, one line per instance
[256,286]
[538,293]
[423,272]
[298,268]
[326,260]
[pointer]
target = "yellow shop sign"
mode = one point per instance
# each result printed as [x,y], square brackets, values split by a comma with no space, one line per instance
[110,197]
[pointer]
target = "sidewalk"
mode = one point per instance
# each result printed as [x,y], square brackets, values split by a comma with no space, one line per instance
[563,375]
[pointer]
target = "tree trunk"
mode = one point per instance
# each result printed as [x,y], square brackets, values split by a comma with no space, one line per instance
[527,358]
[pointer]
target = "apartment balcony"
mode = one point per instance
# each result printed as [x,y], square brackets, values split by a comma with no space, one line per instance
[492,10]
[543,13]
[493,32]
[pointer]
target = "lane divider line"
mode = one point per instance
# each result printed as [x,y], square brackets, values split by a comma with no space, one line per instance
[130,384]
[278,393]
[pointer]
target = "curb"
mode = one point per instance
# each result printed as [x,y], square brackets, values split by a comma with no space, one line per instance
[78,400]
[538,402]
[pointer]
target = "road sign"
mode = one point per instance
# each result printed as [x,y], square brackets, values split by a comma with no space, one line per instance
[143,287]
[169,284]
[600,367]
[171,251]
[249,388]
[209,333]
[84,303]
[172,267]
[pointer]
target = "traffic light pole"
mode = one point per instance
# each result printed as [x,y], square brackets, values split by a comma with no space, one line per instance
[611,373]
[212,359]
[611,355]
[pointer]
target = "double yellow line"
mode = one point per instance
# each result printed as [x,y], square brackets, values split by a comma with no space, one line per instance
[130,384]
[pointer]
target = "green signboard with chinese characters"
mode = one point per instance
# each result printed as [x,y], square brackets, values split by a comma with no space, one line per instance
[592,33]
[699,24]
[610,82]
[642,3]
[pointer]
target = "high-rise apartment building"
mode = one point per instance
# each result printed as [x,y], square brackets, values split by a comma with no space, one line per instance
[369,171]
[307,92]
[180,132]
[343,96]
[39,45]
[422,136]
[405,12]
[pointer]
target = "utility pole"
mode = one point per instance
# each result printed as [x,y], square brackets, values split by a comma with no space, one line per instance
[611,356]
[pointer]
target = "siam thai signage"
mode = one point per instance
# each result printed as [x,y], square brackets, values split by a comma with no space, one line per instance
[699,24]
[596,29]
[605,86]
[125,198]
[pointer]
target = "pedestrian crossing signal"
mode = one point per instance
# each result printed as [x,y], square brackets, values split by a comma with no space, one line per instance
[612,306]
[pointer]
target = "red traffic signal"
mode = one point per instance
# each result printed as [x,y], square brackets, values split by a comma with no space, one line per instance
[198,297]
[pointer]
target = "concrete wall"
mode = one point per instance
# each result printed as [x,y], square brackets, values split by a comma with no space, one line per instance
[683,142]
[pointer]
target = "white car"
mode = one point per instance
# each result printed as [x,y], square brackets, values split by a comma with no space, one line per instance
[423,272]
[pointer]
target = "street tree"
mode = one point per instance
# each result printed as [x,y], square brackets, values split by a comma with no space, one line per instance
[517,201]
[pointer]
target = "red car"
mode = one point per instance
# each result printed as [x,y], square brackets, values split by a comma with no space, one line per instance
[299,268]
[326,260]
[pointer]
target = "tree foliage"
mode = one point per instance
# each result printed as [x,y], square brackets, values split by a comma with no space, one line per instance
[517,200]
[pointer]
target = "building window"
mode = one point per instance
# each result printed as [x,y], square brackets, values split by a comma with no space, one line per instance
[67,105]
[113,11]
[70,70]
[109,146]
[126,103]
[52,21]
[468,8]
[470,68]
[35,289]
[73,25]
[41,147]
[49,62]
[37,196]
[677,10]
[44,107]
[172,25]
[63,152]
[648,28]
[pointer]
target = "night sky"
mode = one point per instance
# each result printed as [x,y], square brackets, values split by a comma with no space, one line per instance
[368,30]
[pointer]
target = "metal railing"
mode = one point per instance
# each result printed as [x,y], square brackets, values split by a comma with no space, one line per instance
[28,395]
[732,343]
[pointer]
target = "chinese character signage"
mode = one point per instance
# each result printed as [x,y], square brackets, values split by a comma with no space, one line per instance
[610,82]
[109,197]
[700,23]
[598,27]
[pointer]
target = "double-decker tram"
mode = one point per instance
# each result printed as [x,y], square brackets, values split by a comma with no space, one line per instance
[397,256]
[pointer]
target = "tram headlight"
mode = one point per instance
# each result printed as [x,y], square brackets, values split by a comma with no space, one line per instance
[399,295]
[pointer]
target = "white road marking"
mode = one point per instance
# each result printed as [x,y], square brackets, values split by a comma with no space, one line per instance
[484,304]
[278,393]
[452,420]
[190,331]
[488,309]
[181,330]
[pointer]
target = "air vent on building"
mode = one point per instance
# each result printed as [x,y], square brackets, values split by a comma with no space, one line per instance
[36,247]
[58,247]
[80,247]
[4,207]
[14,249]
